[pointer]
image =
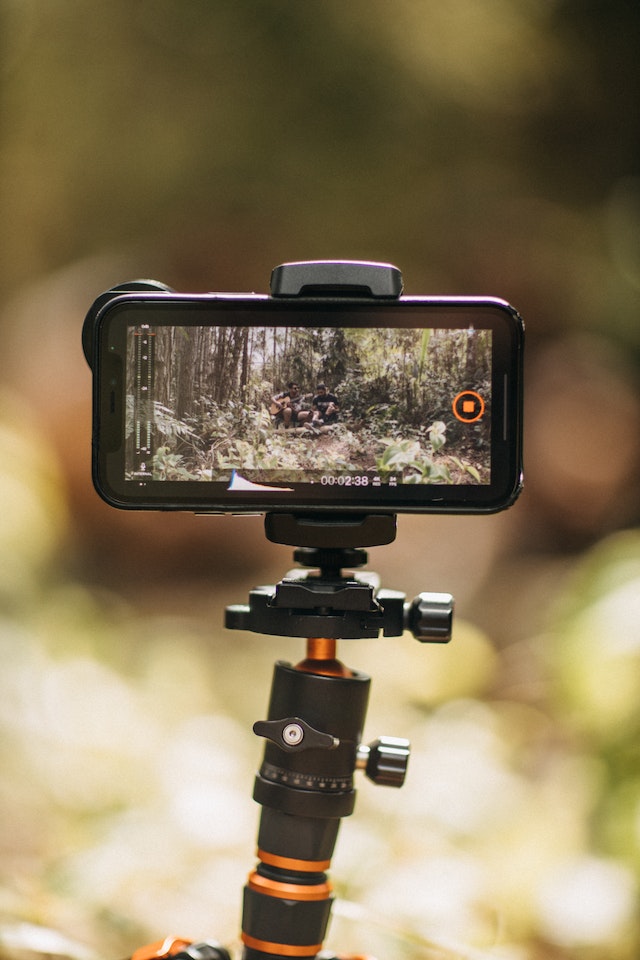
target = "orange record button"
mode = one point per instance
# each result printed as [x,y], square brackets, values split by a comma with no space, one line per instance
[468,406]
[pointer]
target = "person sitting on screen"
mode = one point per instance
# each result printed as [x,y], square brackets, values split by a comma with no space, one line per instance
[325,406]
[286,407]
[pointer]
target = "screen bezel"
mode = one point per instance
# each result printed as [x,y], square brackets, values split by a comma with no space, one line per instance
[257,310]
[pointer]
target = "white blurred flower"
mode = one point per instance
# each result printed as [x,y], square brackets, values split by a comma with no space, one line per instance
[615,619]
[587,900]
[207,780]
[82,729]
[460,777]
[436,898]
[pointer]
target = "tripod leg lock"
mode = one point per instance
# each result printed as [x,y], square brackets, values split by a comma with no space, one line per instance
[286,912]
[179,949]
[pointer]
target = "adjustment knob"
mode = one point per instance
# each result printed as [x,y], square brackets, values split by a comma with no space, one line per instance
[293,734]
[207,950]
[385,760]
[430,617]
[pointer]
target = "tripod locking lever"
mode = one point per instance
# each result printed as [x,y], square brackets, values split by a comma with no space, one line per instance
[293,734]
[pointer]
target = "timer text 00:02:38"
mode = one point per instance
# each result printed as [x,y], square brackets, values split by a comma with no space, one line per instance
[345,480]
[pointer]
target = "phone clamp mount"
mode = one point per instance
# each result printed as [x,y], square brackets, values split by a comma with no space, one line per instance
[317,708]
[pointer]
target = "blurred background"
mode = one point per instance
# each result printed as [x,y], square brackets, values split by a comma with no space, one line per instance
[485,148]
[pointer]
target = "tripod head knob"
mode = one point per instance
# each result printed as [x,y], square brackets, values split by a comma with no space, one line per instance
[430,617]
[385,761]
[293,734]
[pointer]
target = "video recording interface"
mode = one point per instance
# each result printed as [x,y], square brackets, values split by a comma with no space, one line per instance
[244,404]
[274,406]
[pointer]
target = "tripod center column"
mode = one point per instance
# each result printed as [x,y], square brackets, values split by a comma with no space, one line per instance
[304,793]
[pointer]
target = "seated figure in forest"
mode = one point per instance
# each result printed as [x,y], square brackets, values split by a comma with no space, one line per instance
[288,407]
[325,406]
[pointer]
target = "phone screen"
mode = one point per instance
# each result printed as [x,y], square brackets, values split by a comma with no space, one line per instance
[235,405]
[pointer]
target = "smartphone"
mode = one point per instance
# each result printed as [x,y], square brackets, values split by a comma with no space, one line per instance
[247,403]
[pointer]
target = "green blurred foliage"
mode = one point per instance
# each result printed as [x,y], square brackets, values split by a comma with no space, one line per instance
[484,148]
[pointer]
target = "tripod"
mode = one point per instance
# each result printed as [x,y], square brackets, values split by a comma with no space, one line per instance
[317,708]
[313,730]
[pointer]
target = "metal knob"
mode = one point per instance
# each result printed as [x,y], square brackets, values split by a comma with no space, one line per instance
[430,617]
[385,760]
[207,950]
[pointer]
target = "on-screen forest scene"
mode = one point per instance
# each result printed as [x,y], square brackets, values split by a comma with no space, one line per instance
[290,404]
